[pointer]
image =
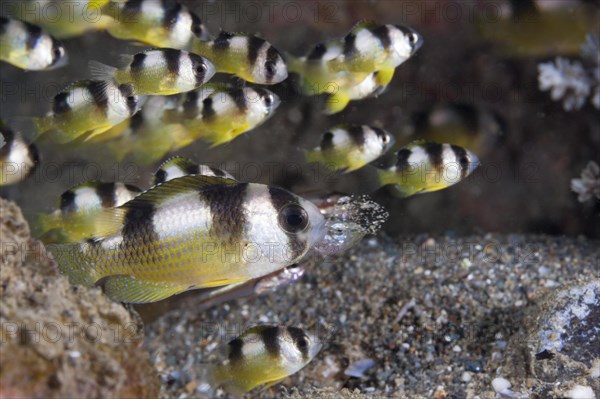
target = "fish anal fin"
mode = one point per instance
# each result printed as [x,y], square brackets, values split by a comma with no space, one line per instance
[336,103]
[129,289]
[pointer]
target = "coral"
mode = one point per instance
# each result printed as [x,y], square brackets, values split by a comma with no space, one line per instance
[57,340]
[571,81]
[588,186]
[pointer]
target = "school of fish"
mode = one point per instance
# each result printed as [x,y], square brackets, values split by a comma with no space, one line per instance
[195,226]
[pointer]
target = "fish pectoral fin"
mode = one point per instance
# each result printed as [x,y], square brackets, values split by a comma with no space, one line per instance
[272,383]
[223,282]
[383,78]
[336,103]
[129,289]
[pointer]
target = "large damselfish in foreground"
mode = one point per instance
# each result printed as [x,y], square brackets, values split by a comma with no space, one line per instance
[193,232]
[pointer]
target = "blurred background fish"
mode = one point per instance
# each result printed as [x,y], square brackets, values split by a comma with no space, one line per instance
[28,47]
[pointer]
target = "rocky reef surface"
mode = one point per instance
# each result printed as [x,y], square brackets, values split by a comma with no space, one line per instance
[58,340]
[484,316]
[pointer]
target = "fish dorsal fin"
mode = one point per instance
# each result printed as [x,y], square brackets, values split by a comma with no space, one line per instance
[417,143]
[110,221]
[179,185]
[185,165]
[363,24]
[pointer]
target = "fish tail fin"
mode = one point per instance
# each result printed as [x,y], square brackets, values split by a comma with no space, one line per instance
[74,262]
[336,103]
[101,71]
[129,289]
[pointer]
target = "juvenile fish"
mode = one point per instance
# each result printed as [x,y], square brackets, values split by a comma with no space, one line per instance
[478,128]
[370,47]
[224,114]
[28,47]
[64,18]
[423,167]
[178,166]
[146,137]
[193,232]
[162,71]
[18,159]
[246,56]
[88,108]
[263,355]
[160,23]
[80,206]
[350,147]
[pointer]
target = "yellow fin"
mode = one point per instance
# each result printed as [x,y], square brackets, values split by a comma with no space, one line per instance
[336,103]
[383,78]
[132,290]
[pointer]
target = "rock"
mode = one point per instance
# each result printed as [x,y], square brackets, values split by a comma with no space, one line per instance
[554,354]
[58,340]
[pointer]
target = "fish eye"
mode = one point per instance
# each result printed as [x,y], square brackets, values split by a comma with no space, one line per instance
[58,53]
[412,38]
[271,68]
[293,219]
[302,343]
[268,100]
[464,161]
[197,29]
[201,68]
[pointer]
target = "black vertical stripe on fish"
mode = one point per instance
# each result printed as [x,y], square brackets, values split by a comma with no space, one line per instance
[137,64]
[171,14]
[106,192]
[216,171]
[4,25]
[463,160]
[60,104]
[349,44]
[98,91]
[254,45]
[300,340]
[435,153]
[240,100]
[223,41]
[357,135]
[382,33]
[136,122]
[133,189]
[197,27]
[380,133]
[67,202]
[208,112]
[33,35]
[128,93]
[138,225]
[172,58]
[270,338]
[131,9]
[191,169]
[271,63]
[402,156]
[9,138]
[236,353]
[226,204]
[190,105]
[160,176]
[317,52]
[327,141]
